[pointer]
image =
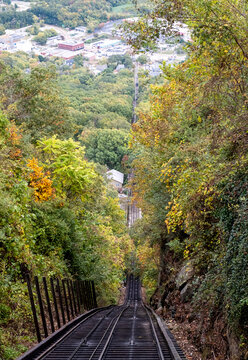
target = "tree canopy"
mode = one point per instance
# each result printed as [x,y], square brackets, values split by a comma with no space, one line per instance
[106,146]
[68,14]
[191,151]
[59,216]
[34,102]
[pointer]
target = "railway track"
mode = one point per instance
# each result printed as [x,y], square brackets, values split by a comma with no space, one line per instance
[130,331]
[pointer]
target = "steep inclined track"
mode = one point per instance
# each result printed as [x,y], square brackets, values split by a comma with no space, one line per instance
[129,332]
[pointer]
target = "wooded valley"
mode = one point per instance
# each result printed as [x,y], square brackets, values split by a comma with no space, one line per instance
[62,128]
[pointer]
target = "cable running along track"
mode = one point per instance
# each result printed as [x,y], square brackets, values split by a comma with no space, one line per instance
[130,331]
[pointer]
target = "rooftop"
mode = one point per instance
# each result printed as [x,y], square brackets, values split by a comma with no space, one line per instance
[115,175]
[71,42]
[65,54]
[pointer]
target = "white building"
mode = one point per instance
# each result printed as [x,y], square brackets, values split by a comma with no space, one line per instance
[116,178]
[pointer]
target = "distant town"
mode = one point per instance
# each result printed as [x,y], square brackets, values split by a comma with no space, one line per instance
[95,47]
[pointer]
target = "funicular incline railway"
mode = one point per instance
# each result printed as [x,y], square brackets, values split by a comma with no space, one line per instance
[130,331]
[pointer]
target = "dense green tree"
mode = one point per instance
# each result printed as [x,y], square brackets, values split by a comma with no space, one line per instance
[120,59]
[57,217]
[34,101]
[86,78]
[12,19]
[34,29]
[142,59]
[2,30]
[191,140]
[105,146]
[79,60]
[68,14]
[73,14]
[93,108]
[40,38]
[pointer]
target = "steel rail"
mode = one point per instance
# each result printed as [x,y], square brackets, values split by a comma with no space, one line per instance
[133,324]
[131,331]
[133,291]
[105,333]
[84,340]
[174,353]
[58,342]
[160,352]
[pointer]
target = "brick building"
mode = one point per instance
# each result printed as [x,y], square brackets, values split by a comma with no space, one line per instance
[72,46]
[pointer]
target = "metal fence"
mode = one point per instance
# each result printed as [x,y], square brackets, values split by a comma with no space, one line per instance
[55,302]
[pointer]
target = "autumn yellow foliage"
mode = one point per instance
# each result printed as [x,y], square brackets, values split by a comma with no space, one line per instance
[40,181]
[14,135]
